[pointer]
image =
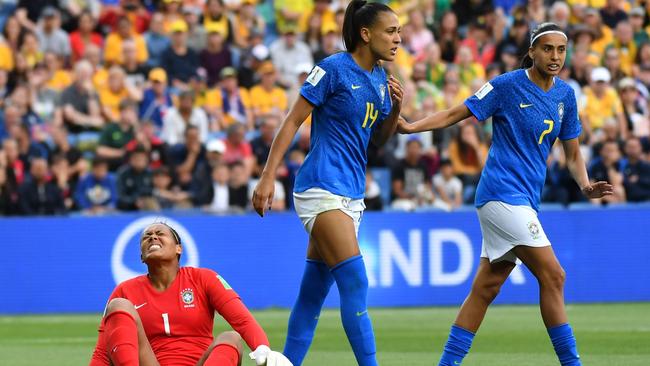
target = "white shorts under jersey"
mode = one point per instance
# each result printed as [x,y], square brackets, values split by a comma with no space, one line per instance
[506,226]
[315,201]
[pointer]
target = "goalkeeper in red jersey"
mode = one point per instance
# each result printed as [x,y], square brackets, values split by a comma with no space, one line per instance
[166,316]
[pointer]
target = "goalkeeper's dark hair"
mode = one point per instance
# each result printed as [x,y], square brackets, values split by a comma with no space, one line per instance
[527,62]
[359,14]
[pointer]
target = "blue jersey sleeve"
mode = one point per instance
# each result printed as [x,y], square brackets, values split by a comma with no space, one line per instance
[319,85]
[571,126]
[486,101]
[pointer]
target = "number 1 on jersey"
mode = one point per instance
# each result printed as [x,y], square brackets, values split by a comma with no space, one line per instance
[166,323]
[546,131]
[371,113]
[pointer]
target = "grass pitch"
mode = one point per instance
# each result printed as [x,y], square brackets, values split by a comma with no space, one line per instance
[607,334]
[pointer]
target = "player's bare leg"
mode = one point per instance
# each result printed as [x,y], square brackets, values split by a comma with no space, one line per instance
[146,355]
[226,350]
[336,241]
[485,288]
[543,263]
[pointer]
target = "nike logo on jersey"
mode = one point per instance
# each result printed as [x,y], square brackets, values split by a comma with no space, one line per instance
[522,105]
[139,306]
[359,313]
[355,87]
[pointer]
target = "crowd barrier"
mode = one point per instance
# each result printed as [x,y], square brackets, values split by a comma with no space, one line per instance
[71,264]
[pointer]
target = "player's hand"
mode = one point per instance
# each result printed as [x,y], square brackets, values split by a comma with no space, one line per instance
[396,91]
[263,194]
[403,126]
[263,356]
[598,190]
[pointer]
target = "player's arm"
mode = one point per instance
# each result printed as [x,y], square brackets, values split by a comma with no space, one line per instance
[263,194]
[437,120]
[389,125]
[577,167]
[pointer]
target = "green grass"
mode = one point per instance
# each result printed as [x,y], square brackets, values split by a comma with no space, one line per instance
[608,335]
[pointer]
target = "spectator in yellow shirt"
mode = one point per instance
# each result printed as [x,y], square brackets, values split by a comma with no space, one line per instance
[113,47]
[613,62]
[603,34]
[600,103]
[116,90]
[468,69]
[624,43]
[100,75]
[228,103]
[59,78]
[267,97]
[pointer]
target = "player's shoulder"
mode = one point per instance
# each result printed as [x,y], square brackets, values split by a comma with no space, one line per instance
[134,282]
[198,271]
[563,89]
[509,77]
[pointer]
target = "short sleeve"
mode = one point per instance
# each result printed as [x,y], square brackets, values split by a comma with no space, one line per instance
[571,126]
[319,84]
[217,289]
[486,101]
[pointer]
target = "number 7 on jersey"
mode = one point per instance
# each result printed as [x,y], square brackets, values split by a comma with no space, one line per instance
[546,131]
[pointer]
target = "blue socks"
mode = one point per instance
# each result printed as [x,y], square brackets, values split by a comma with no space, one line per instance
[316,283]
[457,346]
[564,344]
[352,282]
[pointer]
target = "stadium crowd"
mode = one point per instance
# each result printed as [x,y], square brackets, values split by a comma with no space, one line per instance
[173,104]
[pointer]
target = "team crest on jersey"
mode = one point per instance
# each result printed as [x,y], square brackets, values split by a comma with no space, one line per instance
[382,92]
[188,296]
[560,111]
[533,228]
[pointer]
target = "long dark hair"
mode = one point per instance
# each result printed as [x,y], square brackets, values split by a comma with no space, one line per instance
[527,62]
[359,14]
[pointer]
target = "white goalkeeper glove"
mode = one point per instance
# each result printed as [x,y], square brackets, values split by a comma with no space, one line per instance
[263,356]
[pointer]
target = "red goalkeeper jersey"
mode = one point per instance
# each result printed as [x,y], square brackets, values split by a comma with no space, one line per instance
[179,321]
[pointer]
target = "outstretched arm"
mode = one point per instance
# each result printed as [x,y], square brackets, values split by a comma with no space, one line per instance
[576,165]
[437,120]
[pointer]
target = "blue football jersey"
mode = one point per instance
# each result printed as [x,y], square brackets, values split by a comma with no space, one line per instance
[526,120]
[349,103]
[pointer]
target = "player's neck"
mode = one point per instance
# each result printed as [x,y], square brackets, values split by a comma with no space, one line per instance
[363,57]
[545,82]
[162,275]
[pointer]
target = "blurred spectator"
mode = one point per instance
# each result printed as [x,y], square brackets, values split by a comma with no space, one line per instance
[115,136]
[215,15]
[156,100]
[608,168]
[612,13]
[84,34]
[134,183]
[599,103]
[80,103]
[468,154]
[249,62]
[219,194]
[421,36]
[51,37]
[15,168]
[246,22]
[62,146]
[113,47]
[156,40]
[58,77]
[635,109]
[411,184]
[196,33]
[145,136]
[560,14]
[111,16]
[372,198]
[216,56]
[261,145]
[228,103]
[202,177]
[61,175]
[469,11]
[238,187]
[238,149]
[43,98]
[30,50]
[166,194]
[267,97]
[11,33]
[135,72]
[627,48]
[637,19]
[468,69]
[96,192]
[28,149]
[287,52]
[185,157]
[329,43]
[9,196]
[177,119]
[179,60]
[38,195]
[448,188]
[480,43]
[636,174]
[115,92]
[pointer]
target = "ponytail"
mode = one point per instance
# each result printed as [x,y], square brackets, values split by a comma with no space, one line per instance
[359,14]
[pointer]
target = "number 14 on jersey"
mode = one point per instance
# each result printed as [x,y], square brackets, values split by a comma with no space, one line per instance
[371,114]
